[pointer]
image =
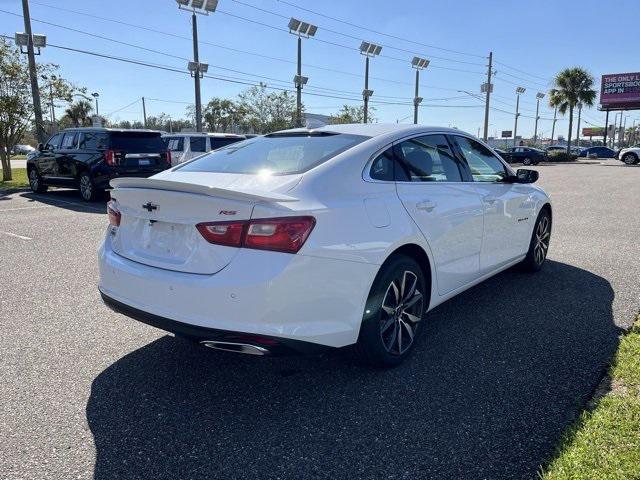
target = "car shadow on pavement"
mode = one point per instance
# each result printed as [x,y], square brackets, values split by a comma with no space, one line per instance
[69,200]
[499,372]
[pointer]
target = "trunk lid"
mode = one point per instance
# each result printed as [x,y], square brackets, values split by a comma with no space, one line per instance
[159,216]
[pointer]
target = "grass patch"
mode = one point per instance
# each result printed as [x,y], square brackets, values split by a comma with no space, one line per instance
[20,180]
[605,442]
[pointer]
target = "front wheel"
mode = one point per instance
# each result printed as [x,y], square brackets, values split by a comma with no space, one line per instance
[630,159]
[393,313]
[527,161]
[35,182]
[539,245]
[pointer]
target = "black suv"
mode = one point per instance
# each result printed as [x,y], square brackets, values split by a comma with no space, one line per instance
[87,158]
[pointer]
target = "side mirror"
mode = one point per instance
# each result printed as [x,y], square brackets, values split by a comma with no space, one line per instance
[524,175]
[40,147]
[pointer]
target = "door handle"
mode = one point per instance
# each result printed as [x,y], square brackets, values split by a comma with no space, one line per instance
[426,205]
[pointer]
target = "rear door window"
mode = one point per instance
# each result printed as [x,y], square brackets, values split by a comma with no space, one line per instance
[428,159]
[276,154]
[198,144]
[69,140]
[137,142]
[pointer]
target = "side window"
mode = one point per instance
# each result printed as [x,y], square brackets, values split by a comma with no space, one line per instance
[484,165]
[175,144]
[69,140]
[427,159]
[198,144]
[92,141]
[382,166]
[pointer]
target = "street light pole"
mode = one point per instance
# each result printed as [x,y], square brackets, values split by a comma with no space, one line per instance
[196,77]
[519,90]
[96,95]
[419,64]
[35,90]
[300,29]
[368,49]
[144,113]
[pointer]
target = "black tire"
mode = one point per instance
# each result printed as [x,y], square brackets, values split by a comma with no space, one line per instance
[88,190]
[35,181]
[630,158]
[527,161]
[389,327]
[539,244]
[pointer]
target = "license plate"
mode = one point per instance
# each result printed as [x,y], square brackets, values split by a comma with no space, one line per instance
[144,162]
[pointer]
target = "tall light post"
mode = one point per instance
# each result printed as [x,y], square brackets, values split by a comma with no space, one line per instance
[419,64]
[301,30]
[197,69]
[369,50]
[539,96]
[95,95]
[553,127]
[31,41]
[519,91]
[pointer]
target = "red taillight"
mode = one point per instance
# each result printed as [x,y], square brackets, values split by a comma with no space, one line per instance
[169,157]
[286,234]
[222,233]
[110,158]
[113,214]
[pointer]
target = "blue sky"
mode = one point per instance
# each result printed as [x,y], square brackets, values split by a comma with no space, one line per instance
[530,40]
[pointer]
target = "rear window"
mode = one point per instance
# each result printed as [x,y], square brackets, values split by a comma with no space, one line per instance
[137,142]
[198,144]
[175,144]
[275,154]
[219,142]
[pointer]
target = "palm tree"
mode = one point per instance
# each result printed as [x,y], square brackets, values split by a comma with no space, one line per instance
[78,113]
[572,86]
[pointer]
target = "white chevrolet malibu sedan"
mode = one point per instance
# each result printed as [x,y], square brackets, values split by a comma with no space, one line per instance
[302,240]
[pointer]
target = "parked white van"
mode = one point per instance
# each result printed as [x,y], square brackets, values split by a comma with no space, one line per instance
[185,146]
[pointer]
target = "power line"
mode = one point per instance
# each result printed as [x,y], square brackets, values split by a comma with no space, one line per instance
[378,32]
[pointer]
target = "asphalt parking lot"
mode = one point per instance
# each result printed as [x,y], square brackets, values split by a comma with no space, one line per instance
[498,375]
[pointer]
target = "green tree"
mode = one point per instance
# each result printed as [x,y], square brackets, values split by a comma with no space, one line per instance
[351,114]
[78,113]
[572,86]
[263,112]
[220,115]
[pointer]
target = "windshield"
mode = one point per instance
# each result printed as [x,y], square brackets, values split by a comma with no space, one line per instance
[275,154]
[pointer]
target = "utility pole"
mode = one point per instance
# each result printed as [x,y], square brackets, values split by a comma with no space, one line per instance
[539,96]
[35,90]
[144,112]
[606,128]
[624,129]
[519,90]
[578,125]
[553,127]
[620,130]
[486,105]
[196,77]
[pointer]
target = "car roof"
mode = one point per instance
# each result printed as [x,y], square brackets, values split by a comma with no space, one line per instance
[103,129]
[374,129]
[203,134]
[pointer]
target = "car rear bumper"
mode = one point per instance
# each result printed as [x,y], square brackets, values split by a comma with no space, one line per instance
[277,295]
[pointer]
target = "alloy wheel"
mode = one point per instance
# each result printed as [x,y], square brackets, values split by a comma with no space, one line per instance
[402,309]
[526,161]
[543,234]
[630,159]
[86,189]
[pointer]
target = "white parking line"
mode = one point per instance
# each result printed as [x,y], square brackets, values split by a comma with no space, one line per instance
[22,237]
[24,208]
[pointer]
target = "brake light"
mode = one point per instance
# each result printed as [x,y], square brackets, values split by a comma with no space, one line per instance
[110,158]
[286,234]
[113,213]
[169,157]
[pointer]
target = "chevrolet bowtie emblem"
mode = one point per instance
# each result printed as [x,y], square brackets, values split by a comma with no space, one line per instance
[150,207]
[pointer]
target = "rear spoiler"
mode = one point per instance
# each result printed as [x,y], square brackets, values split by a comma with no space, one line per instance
[235,194]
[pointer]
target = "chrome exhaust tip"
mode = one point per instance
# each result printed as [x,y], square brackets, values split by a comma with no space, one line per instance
[235,347]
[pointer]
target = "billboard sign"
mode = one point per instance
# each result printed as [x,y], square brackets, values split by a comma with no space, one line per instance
[593,132]
[620,91]
[507,133]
